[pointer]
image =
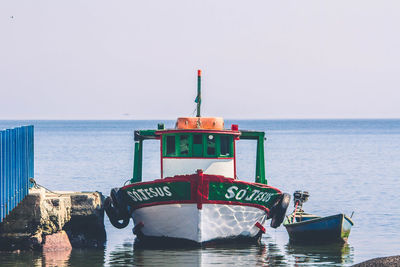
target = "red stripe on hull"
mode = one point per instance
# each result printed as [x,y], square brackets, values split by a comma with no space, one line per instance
[207,177]
[232,203]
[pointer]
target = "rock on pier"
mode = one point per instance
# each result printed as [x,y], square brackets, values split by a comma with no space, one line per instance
[55,221]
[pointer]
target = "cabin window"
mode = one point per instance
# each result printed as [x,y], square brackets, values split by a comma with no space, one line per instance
[170,145]
[184,145]
[211,145]
[225,145]
[197,145]
[197,139]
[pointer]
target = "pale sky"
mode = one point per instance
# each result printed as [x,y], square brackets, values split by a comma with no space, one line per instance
[138,59]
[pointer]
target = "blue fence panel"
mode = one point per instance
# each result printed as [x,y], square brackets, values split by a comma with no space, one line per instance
[2,191]
[16,166]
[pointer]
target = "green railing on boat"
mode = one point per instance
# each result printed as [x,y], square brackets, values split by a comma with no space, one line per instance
[142,135]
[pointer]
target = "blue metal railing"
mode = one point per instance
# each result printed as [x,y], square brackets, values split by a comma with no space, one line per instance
[16,167]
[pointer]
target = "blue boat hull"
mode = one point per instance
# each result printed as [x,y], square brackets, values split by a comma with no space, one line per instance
[335,228]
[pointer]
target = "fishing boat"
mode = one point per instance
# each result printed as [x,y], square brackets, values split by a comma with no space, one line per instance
[308,228]
[198,197]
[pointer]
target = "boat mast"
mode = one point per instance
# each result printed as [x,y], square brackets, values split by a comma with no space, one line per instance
[198,98]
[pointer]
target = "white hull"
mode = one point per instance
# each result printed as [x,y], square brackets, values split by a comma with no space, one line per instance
[212,222]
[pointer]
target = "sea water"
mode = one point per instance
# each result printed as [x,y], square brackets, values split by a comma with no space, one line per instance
[346,165]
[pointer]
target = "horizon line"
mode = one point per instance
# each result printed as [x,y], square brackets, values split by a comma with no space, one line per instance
[170,119]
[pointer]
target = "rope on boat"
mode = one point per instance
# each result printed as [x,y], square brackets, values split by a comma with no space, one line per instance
[294,213]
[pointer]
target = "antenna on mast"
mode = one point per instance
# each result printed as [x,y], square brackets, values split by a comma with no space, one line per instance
[198,98]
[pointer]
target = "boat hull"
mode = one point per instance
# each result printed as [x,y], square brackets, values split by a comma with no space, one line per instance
[214,222]
[335,228]
[200,208]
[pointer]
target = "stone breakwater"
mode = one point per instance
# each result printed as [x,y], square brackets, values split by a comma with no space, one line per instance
[55,221]
[393,261]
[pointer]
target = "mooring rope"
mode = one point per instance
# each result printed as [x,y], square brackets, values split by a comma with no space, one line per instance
[38,186]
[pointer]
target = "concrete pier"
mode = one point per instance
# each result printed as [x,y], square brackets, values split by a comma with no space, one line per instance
[55,221]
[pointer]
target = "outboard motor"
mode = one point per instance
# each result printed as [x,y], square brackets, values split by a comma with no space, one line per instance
[299,197]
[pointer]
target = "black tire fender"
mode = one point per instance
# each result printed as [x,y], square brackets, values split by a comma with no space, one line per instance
[278,211]
[113,215]
[119,203]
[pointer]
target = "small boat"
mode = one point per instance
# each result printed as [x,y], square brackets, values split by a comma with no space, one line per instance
[198,197]
[308,228]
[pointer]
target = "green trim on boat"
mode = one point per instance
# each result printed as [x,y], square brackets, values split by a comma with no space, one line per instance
[149,193]
[201,145]
[260,161]
[244,193]
[210,145]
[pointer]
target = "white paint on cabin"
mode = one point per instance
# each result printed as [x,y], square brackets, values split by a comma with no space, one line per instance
[182,166]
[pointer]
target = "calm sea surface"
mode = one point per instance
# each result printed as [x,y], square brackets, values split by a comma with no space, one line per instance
[346,165]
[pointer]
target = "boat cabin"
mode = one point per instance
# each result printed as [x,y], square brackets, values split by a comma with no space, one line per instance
[198,143]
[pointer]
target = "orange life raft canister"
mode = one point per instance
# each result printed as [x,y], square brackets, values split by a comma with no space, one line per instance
[203,123]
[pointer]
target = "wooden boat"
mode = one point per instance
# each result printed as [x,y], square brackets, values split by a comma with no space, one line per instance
[309,228]
[198,197]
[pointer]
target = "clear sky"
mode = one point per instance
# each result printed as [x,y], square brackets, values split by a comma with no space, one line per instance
[98,59]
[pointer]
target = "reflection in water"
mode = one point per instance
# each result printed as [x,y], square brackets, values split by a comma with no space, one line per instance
[56,258]
[268,253]
[333,254]
[122,255]
[87,257]
[74,257]
[264,254]
[225,254]
[274,256]
[20,259]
